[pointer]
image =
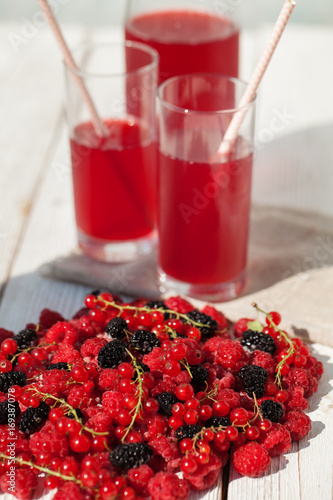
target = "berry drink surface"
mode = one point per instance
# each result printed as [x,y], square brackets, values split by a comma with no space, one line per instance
[114,180]
[188,41]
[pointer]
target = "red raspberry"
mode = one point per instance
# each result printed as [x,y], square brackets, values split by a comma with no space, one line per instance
[101,422]
[211,347]
[300,377]
[5,334]
[55,382]
[168,449]
[112,402]
[264,359]
[108,379]
[231,355]
[154,360]
[49,440]
[167,385]
[25,483]
[217,315]
[78,398]
[86,327]
[91,347]
[251,460]
[139,477]
[206,475]
[167,486]
[277,440]
[156,426]
[62,331]
[230,396]
[296,401]
[241,326]
[314,367]
[226,382]
[69,491]
[298,424]
[178,304]
[67,354]
[48,318]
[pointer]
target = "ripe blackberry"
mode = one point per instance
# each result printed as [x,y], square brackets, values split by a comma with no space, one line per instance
[8,379]
[25,338]
[130,455]
[115,328]
[272,410]
[79,414]
[254,379]
[258,340]
[199,375]
[59,366]
[187,431]
[112,354]
[210,325]
[218,422]
[166,400]
[8,411]
[32,418]
[144,341]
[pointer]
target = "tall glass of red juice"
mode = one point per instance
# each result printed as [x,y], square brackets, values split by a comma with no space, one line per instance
[190,35]
[204,197]
[114,175]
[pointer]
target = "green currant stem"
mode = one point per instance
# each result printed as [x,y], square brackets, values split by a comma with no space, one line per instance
[291,349]
[146,309]
[62,402]
[185,364]
[42,469]
[139,393]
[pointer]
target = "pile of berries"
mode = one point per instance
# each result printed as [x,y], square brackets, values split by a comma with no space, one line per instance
[147,399]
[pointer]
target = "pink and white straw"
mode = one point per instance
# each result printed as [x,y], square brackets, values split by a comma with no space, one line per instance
[68,58]
[231,134]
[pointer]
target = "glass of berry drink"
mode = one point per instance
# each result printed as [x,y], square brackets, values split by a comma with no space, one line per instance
[190,35]
[204,196]
[114,175]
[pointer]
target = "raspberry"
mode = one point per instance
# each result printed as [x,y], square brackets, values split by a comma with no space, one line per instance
[144,341]
[59,366]
[166,400]
[67,354]
[48,318]
[116,328]
[277,440]
[32,418]
[167,448]
[8,379]
[296,401]
[241,325]
[69,491]
[199,376]
[298,424]
[221,320]
[258,340]
[178,304]
[231,355]
[112,403]
[25,483]
[187,431]
[230,396]
[156,426]
[139,477]
[5,334]
[254,379]
[100,422]
[77,397]
[112,354]
[91,347]
[211,347]
[62,331]
[272,410]
[154,359]
[264,359]
[108,379]
[251,460]
[167,486]
[209,325]
[302,378]
[206,475]
[48,438]
[55,382]
[130,455]
[8,409]
[25,338]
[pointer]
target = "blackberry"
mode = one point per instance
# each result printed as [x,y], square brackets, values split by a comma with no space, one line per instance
[8,411]
[25,338]
[199,375]
[166,400]
[32,418]
[95,292]
[112,354]
[144,341]
[254,379]
[8,379]
[210,325]
[130,455]
[59,366]
[271,410]
[218,422]
[187,431]
[78,412]
[115,328]
[258,340]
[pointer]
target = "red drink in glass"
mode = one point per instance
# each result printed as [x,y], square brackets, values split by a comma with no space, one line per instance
[114,181]
[188,41]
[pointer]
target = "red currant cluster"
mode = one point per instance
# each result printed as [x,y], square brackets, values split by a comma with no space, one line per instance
[113,403]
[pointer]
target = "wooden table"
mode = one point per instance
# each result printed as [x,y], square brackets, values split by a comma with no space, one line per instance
[37,221]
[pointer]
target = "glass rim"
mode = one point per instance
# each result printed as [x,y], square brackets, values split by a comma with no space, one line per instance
[188,111]
[118,44]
